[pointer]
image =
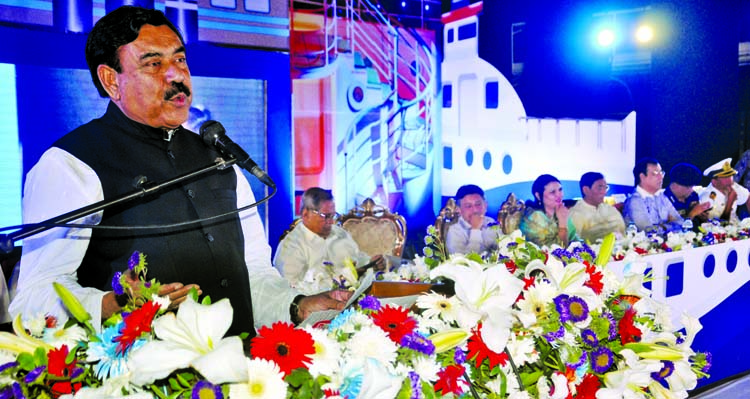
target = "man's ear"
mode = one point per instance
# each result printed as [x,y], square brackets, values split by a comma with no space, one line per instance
[536,195]
[586,191]
[108,78]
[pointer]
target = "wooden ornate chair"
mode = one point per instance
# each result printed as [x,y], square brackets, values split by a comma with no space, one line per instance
[375,229]
[509,215]
[447,216]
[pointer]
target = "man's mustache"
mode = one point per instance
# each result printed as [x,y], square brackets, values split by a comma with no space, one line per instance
[177,88]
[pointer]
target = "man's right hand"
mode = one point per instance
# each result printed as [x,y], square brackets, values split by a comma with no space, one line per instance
[176,292]
[476,221]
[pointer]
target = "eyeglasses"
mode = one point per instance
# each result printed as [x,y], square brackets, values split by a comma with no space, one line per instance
[658,172]
[601,187]
[327,216]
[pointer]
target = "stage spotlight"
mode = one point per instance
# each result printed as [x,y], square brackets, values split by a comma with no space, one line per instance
[605,38]
[403,4]
[644,34]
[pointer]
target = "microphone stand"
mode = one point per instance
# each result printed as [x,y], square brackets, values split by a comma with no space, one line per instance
[144,188]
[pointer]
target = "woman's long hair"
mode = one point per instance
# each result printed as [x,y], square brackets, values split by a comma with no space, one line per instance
[538,188]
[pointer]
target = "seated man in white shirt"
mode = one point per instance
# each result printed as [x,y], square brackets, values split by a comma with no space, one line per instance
[647,207]
[318,240]
[474,230]
[592,217]
[723,193]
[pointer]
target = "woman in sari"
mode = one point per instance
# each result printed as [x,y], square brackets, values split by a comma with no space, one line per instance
[545,221]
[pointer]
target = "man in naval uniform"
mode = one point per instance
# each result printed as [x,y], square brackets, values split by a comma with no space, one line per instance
[723,193]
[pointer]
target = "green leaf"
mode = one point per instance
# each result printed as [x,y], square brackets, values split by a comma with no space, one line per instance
[174,384]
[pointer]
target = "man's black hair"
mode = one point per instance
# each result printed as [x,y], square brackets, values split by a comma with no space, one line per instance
[117,29]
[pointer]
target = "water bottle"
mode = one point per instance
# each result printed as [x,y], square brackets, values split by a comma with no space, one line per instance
[687,225]
[631,230]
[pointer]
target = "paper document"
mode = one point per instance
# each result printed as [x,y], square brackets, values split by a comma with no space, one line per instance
[324,315]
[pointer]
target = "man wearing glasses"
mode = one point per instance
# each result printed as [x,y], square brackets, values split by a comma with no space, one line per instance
[318,240]
[592,217]
[473,232]
[648,208]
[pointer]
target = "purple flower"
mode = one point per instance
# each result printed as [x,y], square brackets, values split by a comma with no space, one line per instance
[369,302]
[416,390]
[709,359]
[417,342]
[589,337]
[135,260]
[6,393]
[116,285]
[661,376]
[578,309]
[555,335]
[34,374]
[581,360]
[612,325]
[601,359]
[17,391]
[562,308]
[459,356]
[7,366]
[204,389]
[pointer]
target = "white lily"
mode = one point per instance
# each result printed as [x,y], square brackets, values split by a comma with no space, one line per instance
[489,293]
[192,338]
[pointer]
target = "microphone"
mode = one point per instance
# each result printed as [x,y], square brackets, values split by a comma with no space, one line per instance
[213,133]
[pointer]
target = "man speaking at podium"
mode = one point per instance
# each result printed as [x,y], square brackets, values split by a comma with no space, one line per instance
[137,58]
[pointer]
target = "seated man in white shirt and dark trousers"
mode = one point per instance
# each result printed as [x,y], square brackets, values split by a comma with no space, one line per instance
[474,230]
[723,193]
[318,240]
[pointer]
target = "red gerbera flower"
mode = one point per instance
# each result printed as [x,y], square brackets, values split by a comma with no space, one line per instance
[448,381]
[528,282]
[327,393]
[395,321]
[510,264]
[626,328]
[283,344]
[56,366]
[588,387]
[137,323]
[595,278]
[479,351]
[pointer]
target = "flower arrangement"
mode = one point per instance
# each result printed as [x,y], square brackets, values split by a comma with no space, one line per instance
[634,244]
[524,322]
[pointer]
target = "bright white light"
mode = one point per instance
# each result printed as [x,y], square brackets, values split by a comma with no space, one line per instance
[427,7]
[644,34]
[403,4]
[605,38]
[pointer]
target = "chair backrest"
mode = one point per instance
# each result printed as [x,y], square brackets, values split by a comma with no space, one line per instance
[289,229]
[447,216]
[375,229]
[509,215]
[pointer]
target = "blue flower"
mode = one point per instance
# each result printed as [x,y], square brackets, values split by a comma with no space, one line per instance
[555,335]
[578,309]
[589,337]
[352,384]
[116,284]
[459,356]
[416,389]
[135,260]
[369,302]
[661,376]
[34,374]
[340,320]
[17,391]
[601,359]
[8,365]
[612,325]
[417,342]
[206,390]
[111,363]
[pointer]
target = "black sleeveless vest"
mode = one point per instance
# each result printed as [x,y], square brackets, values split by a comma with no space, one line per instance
[209,254]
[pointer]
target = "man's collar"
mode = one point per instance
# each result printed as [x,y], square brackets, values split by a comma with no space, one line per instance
[646,194]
